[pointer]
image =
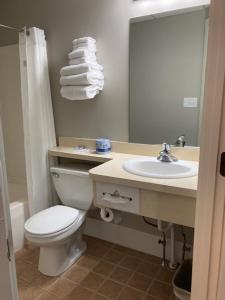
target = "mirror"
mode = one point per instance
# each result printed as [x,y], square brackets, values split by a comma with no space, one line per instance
[167,72]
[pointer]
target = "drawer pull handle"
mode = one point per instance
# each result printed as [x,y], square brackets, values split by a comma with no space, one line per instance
[116,198]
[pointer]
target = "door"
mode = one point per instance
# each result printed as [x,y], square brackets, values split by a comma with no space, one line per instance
[220,189]
[8,284]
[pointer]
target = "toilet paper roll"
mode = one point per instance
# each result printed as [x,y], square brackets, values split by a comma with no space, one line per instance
[107,214]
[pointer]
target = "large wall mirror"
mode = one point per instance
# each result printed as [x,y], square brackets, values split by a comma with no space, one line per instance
[167,74]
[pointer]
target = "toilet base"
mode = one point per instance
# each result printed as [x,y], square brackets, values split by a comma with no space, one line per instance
[55,260]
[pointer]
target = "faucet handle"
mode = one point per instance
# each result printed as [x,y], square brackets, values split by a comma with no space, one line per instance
[166,147]
[180,142]
[165,155]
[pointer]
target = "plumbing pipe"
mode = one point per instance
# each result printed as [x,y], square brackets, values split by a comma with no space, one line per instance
[163,242]
[185,247]
[172,263]
[163,229]
[149,223]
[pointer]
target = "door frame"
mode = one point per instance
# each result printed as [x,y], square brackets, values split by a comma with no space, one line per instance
[8,258]
[209,241]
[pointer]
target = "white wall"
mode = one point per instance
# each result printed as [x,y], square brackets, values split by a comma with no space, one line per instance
[63,21]
[11,112]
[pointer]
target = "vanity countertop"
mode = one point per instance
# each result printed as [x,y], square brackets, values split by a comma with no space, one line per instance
[71,152]
[111,171]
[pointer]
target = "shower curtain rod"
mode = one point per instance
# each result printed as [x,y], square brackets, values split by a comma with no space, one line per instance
[10,27]
[14,28]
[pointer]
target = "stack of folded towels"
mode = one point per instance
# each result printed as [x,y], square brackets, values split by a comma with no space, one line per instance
[83,78]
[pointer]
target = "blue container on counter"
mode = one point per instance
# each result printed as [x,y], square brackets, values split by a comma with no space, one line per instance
[103,146]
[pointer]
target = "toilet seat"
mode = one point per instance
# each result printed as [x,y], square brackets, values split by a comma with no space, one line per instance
[54,221]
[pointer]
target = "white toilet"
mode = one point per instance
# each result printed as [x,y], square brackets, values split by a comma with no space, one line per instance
[58,229]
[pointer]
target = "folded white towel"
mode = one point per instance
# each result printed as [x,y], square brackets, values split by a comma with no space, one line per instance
[79,92]
[82,60]
[101,85]
[79,69]
[84,40]
[94,77]
[87,46]
[78,53]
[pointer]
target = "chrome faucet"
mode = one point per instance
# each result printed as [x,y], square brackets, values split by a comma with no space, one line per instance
[180,142]
[165,155]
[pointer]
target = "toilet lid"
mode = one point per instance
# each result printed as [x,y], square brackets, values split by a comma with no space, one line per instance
[51,220]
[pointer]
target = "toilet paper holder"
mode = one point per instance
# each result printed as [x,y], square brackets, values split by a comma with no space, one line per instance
[116,197]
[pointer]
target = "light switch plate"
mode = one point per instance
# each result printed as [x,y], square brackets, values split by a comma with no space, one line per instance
[191,102]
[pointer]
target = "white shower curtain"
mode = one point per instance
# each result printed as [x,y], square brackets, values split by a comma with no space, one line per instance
[39,130]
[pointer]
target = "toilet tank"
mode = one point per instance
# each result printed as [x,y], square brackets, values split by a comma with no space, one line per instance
[73,185]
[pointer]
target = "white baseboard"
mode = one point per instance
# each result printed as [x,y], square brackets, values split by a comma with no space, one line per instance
[131,238]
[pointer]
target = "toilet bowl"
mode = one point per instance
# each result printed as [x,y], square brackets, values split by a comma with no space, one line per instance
[58,230]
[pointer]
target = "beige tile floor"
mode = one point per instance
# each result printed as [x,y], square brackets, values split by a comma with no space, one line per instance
[106,271]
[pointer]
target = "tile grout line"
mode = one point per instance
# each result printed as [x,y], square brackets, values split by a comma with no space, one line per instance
[150,286]
[108,277]
[124,285]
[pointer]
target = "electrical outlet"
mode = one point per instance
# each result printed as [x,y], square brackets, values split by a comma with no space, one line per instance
[191,102]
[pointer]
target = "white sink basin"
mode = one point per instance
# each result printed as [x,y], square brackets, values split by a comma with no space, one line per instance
[151,167]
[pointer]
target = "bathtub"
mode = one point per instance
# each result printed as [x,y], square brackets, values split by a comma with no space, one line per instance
[19,213]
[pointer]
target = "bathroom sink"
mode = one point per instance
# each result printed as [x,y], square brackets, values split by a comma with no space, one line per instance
[151,167]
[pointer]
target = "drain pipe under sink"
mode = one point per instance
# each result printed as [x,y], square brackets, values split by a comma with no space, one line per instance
[164,229]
